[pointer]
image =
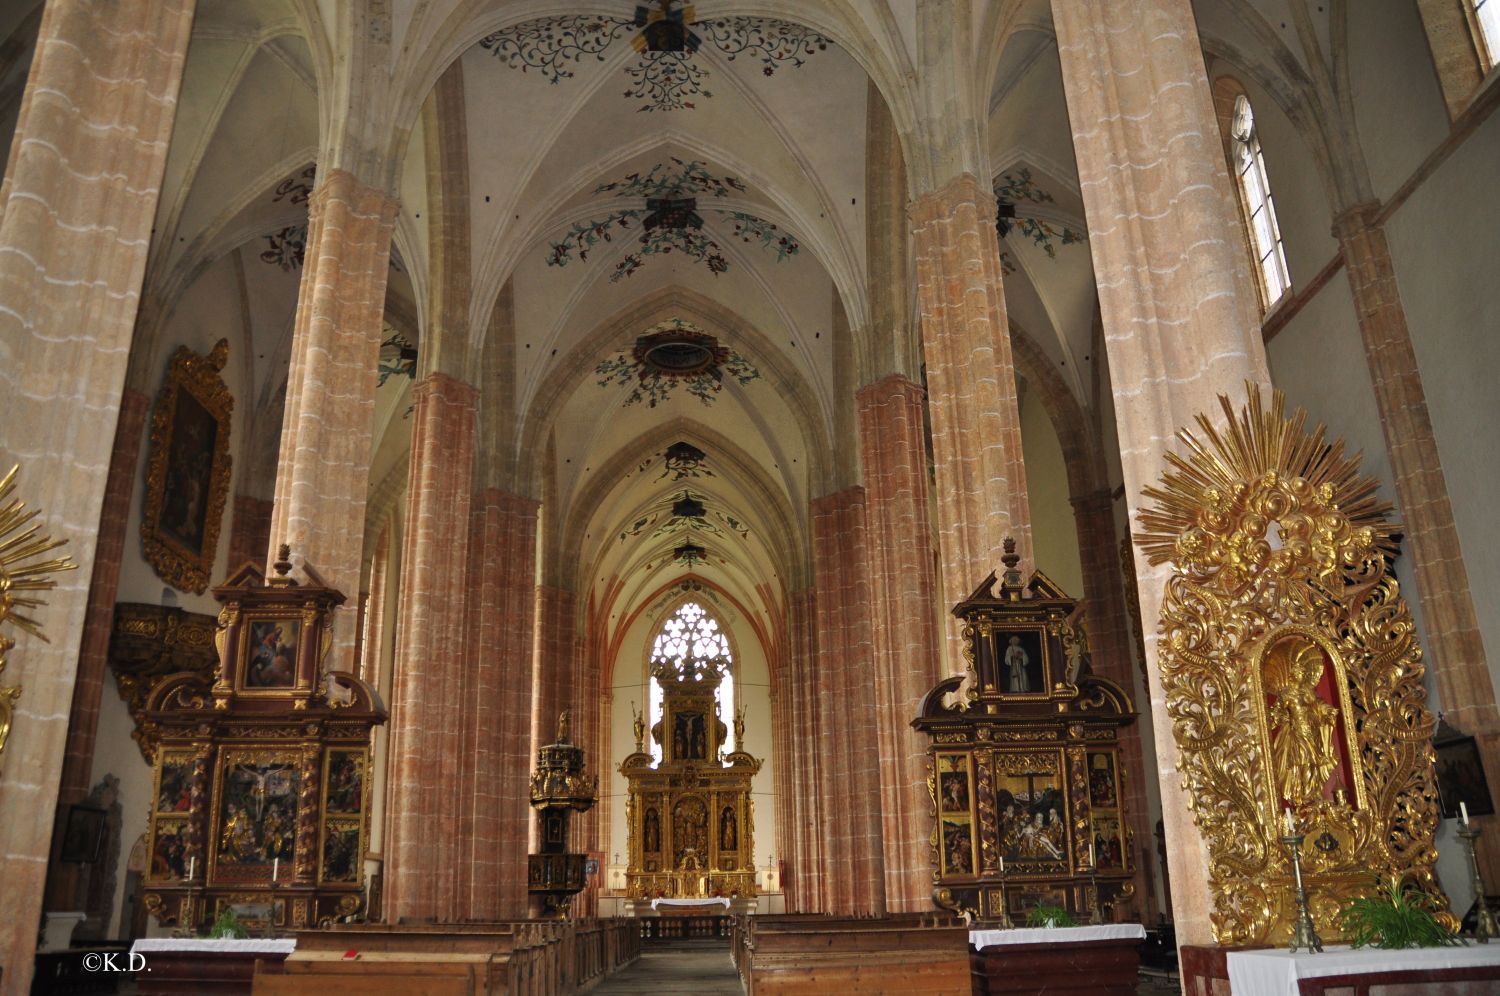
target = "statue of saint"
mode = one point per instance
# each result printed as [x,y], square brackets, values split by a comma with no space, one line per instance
[1016,662]
[1302,724]
[640,728]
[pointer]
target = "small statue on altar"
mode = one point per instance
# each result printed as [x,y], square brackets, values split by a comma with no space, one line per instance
[739,728]
[562,727]
[640,729]
[728,830]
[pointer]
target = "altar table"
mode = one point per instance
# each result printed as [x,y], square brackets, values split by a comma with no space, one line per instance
[1474,968]
[1100,959]
[198,965]
[704,901]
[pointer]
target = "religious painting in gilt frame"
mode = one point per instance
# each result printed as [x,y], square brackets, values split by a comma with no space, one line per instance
[169,846]
[1021,661]
[344,778]
[953,784]
[1104,787]
[1460,778]
[270,654]
[1033,809]
[256,815]
[187,474]
[342,857]
[957,846]
[174,782]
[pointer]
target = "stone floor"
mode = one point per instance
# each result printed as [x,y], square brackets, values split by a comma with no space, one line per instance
[704,969]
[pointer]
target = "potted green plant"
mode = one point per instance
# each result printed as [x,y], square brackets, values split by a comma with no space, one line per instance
[1394,917]
[1045,915]
[227,925]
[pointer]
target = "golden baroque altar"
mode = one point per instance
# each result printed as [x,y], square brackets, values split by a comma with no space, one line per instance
[690,818]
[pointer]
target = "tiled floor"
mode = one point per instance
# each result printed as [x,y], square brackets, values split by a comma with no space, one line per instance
[702,969]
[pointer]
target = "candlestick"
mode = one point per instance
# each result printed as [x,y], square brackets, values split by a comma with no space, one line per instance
[271,913]
[1304,935]
[1463,809]
[1484,920]
[1092,860]
[1005,921]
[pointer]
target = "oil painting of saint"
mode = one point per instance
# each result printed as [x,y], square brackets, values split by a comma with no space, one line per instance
[341,858]
[190,458]
[346,781]
[955,791]
[958,848]
[272,658]
[1022,667]
[169,850]
[1102,791]
[174,793]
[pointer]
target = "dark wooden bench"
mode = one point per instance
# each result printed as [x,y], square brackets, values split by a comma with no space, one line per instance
[792,955]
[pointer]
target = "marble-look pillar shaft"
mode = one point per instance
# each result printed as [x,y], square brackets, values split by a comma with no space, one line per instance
[850,776]
[502,613]
[423,842]
[323,470]
[804,861]
[976,424]
[76,207]
[1453,647]
[375,609]
[903,593]
[1180,313]
[249,531]
[1108,623]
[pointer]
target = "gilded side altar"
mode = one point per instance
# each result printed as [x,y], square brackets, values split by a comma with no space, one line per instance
[690,818]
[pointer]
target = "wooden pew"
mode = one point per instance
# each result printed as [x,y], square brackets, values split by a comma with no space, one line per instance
[793,955]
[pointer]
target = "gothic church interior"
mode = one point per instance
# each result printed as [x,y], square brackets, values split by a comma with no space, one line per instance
[569,342]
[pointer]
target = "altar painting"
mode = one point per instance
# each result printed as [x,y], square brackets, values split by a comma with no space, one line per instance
[271,654]
[953,783]
[345,779]
[1104,789]
[957,847]
[1109,843]
[257,815]
[1032,809]
[169,846]
[174,786]
[341,851]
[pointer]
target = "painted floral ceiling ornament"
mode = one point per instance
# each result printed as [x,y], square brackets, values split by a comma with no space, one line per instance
[298,187]
[683,512]
[673,353]
[398,357]
[1012,194]
[683,460]
[666,34]
[669,220]
[286,248]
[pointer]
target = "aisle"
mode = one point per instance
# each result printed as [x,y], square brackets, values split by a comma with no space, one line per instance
[702,969]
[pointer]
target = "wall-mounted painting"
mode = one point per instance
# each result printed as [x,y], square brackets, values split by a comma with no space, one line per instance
[1033,810]
[187,476]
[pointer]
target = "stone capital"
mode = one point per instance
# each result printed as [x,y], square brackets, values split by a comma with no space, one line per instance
[438,386]
[941,202]
[1357,218]
[364,199]
[891,384]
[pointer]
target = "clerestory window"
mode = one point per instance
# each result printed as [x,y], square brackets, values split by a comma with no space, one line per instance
[1260,210]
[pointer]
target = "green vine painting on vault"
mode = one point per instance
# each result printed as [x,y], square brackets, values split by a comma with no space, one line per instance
[671,354]
[667,212]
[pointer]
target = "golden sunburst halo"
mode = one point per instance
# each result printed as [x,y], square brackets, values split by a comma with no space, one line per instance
[1211,481]
[20,570]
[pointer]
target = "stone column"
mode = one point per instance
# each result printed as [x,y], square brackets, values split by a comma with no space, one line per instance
[250,532]
[1109,645]
[374,624]
[93,656]
[76,207]
[422,849]
[804,858]
[903,593]
[1453,647]
[1181,320]
[850,775]
[502,606]
[322,477]
[971,380]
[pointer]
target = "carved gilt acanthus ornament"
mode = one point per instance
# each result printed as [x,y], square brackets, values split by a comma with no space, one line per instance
[1291,671]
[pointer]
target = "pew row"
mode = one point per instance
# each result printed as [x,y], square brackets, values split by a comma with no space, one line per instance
[796,954]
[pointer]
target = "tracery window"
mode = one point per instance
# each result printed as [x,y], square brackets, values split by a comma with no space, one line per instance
[1486,15]
[1260,210]
[691,633]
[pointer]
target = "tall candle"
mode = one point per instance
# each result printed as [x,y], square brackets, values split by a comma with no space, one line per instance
[1092,860]
[1002,864]
[276,867]
[1463,809]
[192,864]
[1291,828]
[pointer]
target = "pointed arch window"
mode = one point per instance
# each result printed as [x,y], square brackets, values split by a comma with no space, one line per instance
[1260,210]
[691,633]
[1486,17]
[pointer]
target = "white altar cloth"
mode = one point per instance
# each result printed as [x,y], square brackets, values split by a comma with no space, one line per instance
[1059,935]
[1275,972]
[221,945]
[705,901]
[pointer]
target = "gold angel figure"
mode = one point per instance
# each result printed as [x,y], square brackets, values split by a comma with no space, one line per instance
[1301,723]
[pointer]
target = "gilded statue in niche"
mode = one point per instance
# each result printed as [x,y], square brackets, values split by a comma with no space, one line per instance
[689,830]
[1302,724]
[729,836]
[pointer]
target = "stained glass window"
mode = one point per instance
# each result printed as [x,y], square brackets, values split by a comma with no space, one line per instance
[691,633]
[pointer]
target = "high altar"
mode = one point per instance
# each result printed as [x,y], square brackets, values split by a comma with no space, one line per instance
[1024,769]
[691,825]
